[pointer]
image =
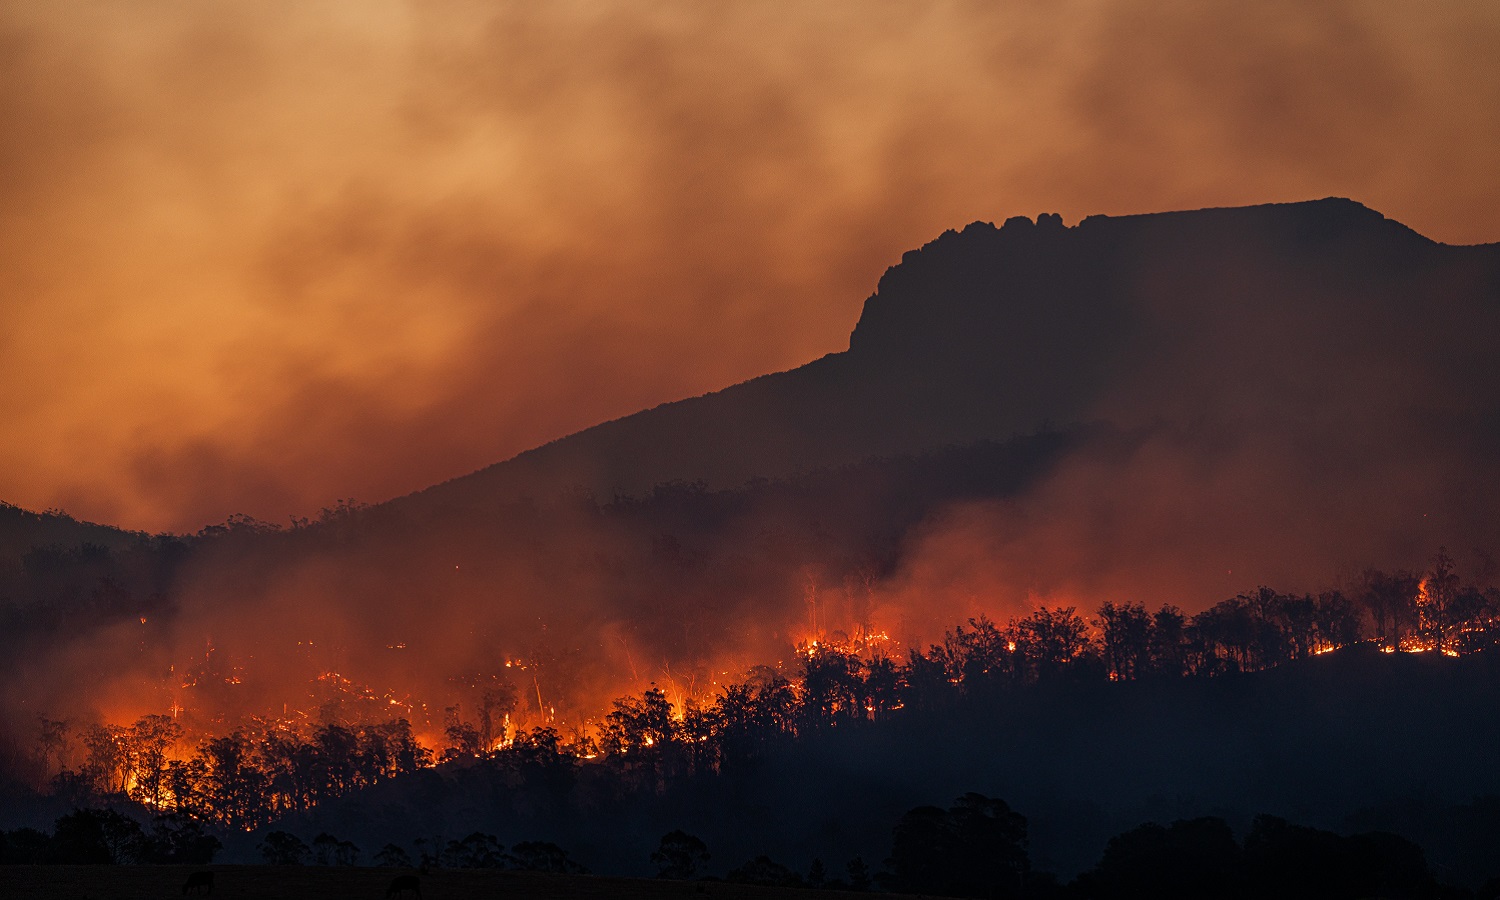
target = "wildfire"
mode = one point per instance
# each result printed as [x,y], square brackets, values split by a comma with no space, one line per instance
[853,675]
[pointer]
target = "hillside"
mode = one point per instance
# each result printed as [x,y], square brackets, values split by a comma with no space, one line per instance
[988,332]
[1350,740]
[1170,408]
[22,530]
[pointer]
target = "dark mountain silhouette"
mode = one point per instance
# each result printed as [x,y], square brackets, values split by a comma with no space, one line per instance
[21,530]
[1277,395]
[52,565]
[1304,308]
[1168,408]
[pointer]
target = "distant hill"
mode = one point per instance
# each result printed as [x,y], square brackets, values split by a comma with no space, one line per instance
[22,530]
[1305,308]
[1168,408]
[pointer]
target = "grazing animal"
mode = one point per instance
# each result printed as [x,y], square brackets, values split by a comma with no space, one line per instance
[199,884]
[403,883]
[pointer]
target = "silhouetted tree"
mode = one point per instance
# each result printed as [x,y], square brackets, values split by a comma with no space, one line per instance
[1337,620]
[1168,642]
[544,856]
[976,848]
[542,761]
[1225,637]
[1297,617]
[477,851]
[393,857]
[884,682]
[1126,631]
[234,786]
[636,725]
[1391,601]
[107,765]
[929,685]
[494,697]
[1050,640]
[24,847]
[463,737]
[330,851]
[53,740]
[976,657]
[775,702]
[815,874]
[764,871]
[831,686]
[679,855]
[95,836]
[152,738]
[859,874]
[1437,594]
[1186,860]
[739,729]
[1292,861]
[698,729]
[180,839]
[282,848]
[185,780]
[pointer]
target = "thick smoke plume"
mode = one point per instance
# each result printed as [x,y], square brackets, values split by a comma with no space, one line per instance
[260,256]
[1280,395]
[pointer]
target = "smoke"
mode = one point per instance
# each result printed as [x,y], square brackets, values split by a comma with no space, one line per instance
[1291,405]
[262,256]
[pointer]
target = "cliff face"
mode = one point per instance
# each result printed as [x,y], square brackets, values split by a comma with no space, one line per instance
[1317,312]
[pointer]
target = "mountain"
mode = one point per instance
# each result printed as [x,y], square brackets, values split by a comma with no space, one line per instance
[1284,312]
[1166,409]
[1170,408]
[68,555]
[21,530]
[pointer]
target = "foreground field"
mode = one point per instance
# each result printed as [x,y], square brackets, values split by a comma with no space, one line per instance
[301,882]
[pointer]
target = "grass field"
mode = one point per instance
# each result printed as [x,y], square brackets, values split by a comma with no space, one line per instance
[300,882]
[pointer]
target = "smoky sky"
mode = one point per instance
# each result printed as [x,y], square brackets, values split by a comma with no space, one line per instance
[260,256]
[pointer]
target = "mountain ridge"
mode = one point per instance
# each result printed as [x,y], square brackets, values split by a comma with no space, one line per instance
[916,373]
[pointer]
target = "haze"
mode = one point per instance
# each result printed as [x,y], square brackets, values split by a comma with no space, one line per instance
[259,256]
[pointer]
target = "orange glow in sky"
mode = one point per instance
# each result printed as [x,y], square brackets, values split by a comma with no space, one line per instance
[256,256]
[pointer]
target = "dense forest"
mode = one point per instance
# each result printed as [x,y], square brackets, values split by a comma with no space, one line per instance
[583,591]
[266,769]
[555,653]
[1092,720]
[845,691]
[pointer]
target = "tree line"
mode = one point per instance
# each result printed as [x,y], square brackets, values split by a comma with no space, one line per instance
[977,847]
[268,770]
[238,781]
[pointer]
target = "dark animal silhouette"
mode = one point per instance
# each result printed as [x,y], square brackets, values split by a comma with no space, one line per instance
[402,884]
[199,884]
